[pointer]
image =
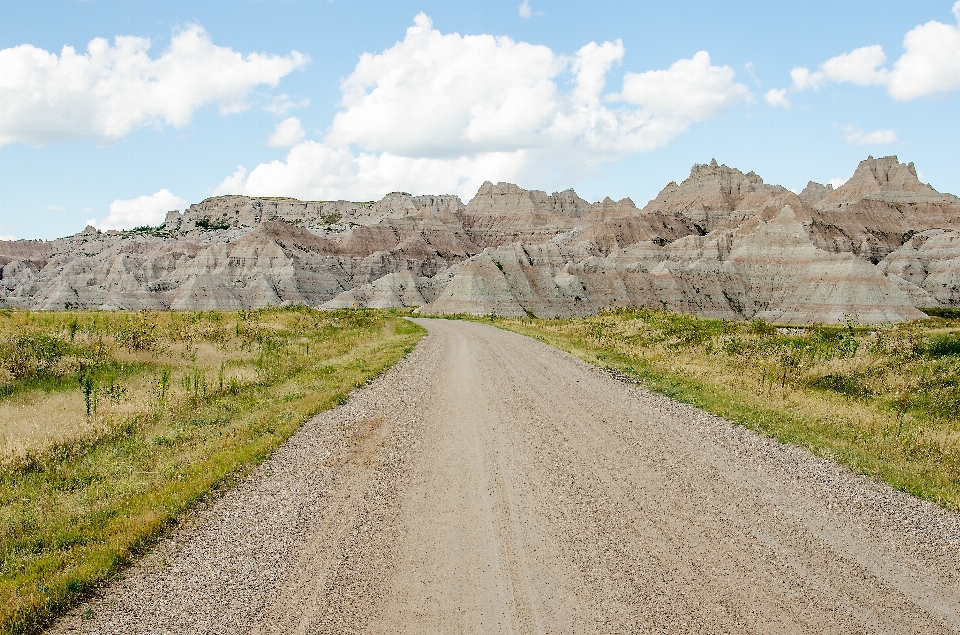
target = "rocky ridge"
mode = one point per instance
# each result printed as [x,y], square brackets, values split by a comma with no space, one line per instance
[721,243]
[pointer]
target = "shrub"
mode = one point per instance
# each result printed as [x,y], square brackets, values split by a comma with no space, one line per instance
[949,313]
[206,223]
[31,355]
[942,346]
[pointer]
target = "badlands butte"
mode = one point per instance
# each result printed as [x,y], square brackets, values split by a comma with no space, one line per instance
[720,244]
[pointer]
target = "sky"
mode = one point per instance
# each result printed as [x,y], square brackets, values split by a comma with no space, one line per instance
[112,113]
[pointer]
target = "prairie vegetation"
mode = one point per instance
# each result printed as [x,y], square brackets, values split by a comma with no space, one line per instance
[114,423]
[882,400]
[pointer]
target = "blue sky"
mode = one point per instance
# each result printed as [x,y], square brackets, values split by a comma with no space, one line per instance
[161,104]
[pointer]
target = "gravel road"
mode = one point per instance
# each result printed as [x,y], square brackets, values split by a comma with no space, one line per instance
[491,484]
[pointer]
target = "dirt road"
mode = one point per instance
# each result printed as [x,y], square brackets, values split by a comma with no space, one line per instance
[490,484]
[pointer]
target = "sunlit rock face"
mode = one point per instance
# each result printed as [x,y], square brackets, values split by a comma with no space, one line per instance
[720,244]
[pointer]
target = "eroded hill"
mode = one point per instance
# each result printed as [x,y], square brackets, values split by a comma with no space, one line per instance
[721,243]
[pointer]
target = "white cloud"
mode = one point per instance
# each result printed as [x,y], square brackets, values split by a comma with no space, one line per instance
[111,90]
[929,65]
[287,133]
[233,184]
[777,97]
[145,210]
[804,79]
[283,103]
[8,237]
[860,67]
[690,89]
[877,137]
[590,68]
[55,208]
[444,112]
[315,170]
[447,95]
[836,182]
[526,11]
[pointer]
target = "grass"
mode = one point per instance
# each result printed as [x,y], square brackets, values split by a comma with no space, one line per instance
[882,400]
[180,405]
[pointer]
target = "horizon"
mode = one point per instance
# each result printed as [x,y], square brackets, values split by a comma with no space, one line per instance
[467,201]
[116,113]
[462,200]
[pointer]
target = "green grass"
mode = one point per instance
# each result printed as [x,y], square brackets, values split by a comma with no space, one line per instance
[74,513]
[943,312]
[882,400]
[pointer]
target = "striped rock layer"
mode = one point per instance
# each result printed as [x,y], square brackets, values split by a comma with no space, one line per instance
[720,244]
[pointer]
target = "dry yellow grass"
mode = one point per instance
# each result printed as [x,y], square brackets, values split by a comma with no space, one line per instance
[47,406]
[180,404]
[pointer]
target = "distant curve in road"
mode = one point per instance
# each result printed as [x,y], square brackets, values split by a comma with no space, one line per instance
[492,484]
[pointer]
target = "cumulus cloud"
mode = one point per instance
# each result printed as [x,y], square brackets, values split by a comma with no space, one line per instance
[145,210]
[837,182]
[287,133]
[233,184]
[929,65]
[320,171]
[877,137]
[777,97]
[690,89]
[444,112]
[7,237]
[804,79]
[111,90]
[861,67]
[445,95]
[590,68]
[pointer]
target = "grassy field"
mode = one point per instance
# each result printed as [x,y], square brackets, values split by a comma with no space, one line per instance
[112,424]
[882,400]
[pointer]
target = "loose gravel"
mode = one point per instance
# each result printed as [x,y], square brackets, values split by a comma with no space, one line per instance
[491,484]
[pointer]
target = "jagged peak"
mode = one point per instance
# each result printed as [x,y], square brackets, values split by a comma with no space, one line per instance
[508,197]
[815,192]
[721,171]
[501,187]
[884,179]
[885,171]
[609,203]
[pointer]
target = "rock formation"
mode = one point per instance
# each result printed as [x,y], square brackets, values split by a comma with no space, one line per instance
[721,243]
[813,193]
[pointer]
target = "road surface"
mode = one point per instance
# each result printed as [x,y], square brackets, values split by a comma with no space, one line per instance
[491,484]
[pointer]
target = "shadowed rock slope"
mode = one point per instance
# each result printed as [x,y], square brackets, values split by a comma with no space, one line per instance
[721,243]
